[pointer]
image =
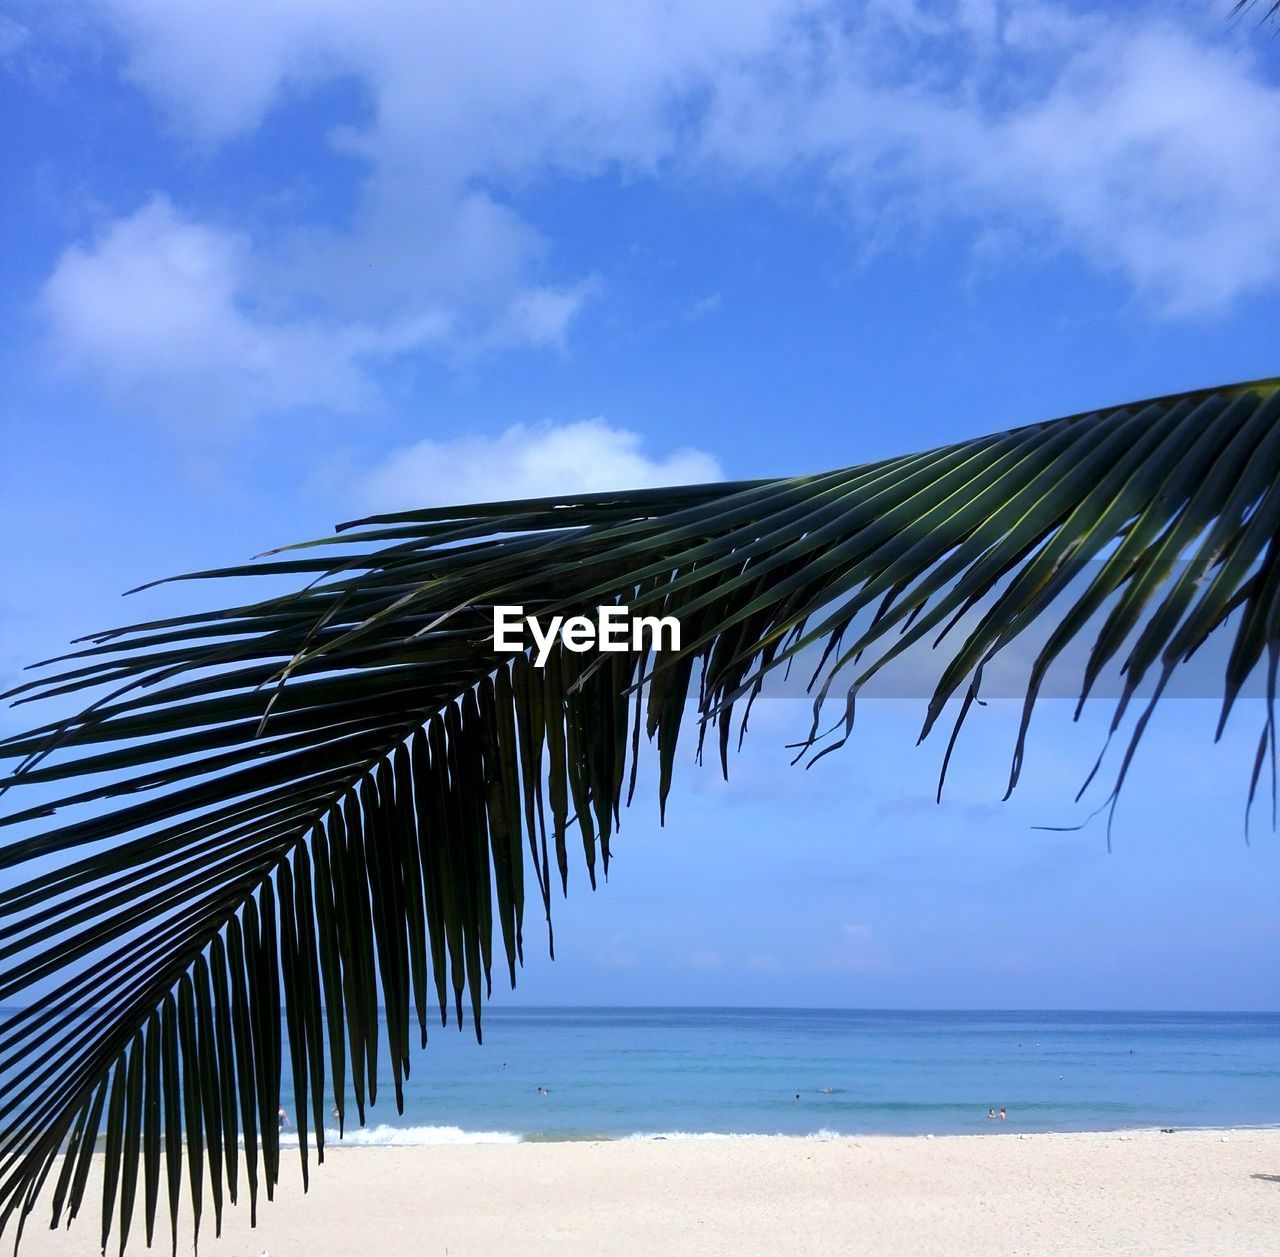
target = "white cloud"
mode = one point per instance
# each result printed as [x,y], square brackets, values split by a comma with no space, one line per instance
[164,312]
[702,959]
[525,462]
[465,102]
[1143,146]
[1152,158]
[614,953]
[703,307]
[1143,141]
[857,951]
[490,85]
[157,308]
[13,36]
[541,316]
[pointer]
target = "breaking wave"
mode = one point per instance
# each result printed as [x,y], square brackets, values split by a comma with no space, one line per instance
[383,1136]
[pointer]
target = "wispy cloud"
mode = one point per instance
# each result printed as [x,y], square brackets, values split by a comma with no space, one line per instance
[1141,142]
[702,959]
[464,104]
[13,35]
[857,950]
[525,461]
[540,317]
[158,309]
[703,307]
[173,315]
[614,953]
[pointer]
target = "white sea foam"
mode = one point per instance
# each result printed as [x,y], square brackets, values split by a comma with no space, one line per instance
[383,1136]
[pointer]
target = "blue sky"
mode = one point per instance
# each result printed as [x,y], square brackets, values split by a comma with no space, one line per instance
[272,265]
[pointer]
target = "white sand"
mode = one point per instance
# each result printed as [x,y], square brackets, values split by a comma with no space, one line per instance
[1142,1193]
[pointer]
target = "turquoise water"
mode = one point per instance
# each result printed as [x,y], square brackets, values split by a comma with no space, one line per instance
[615,1073]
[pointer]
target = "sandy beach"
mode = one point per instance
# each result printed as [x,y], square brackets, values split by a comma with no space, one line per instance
[1193,1192]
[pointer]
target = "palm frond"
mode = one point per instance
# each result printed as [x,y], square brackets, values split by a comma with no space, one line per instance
[270,819]
[1244,6]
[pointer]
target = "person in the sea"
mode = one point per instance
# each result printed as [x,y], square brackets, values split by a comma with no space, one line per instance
[1003,1114]
[991,1114]
[282,1117]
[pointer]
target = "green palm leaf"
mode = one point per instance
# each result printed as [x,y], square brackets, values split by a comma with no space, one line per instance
[270,819]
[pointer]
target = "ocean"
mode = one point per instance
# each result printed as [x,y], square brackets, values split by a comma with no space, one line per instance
[617,1073]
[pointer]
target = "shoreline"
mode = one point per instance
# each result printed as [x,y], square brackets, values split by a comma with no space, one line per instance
[1205,1191]
[371,1135]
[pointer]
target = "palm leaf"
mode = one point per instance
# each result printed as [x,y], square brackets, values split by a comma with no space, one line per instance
[270,819]
[1243,6]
